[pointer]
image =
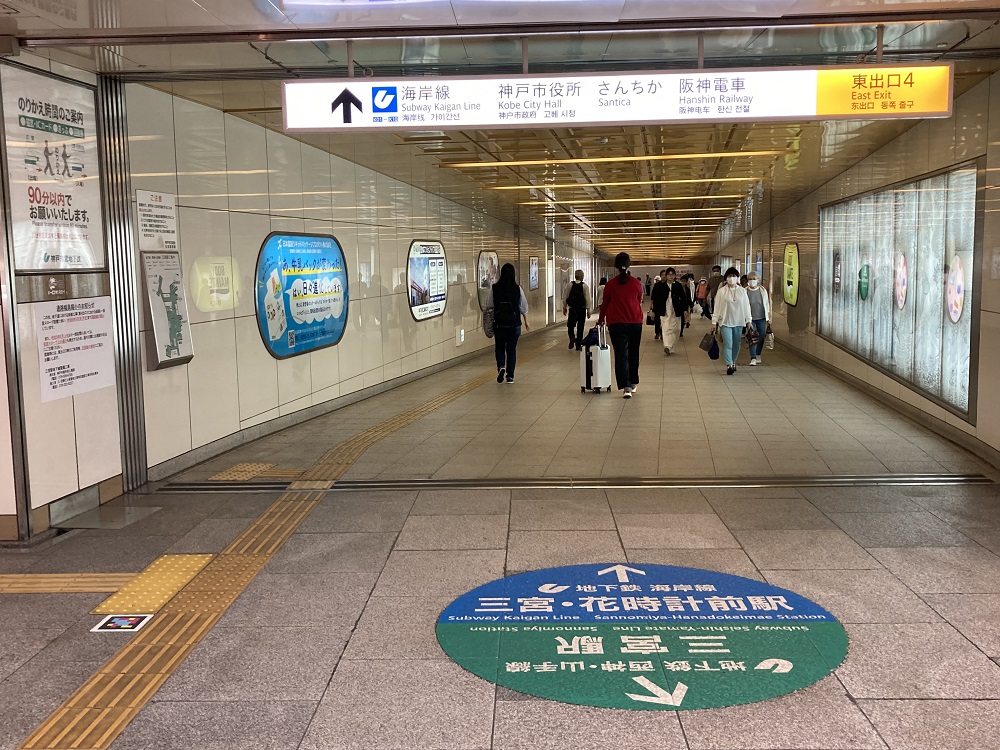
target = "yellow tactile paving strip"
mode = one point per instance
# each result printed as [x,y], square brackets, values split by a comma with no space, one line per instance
[241,472]
[104,705]
[155,586]
[63,583]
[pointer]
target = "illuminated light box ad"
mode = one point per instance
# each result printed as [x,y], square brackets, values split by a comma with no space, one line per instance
[54,174]
[301,293]
[759,95]
[427,279]
[488,274]
[912,250]
[532,273]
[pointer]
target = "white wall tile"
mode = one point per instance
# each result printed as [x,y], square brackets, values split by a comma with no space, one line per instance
[167,411]
[247,233]
[200,144]
[257,370]
[98,437]
[214,386]
[284,164]
[204,239]
[246,162]
[152,158]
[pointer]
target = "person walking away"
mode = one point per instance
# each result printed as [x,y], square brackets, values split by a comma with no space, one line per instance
[622,309]
[730,317]
[509,306]
[714,281]
[688,283]
[701,293]
[649,284]
[576,300]
[760,314]
[599,295]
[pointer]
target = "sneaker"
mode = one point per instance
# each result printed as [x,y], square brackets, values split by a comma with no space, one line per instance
[666,350]
[510,379]
[753,362]
[571,344]
[730,370]
[633,388]
[579,348]
[627,393]
[501,373]
[760,361]
[656,338]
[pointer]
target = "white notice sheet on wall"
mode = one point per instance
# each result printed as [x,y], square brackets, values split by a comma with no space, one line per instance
[157,220]
[55,182]
[75,346]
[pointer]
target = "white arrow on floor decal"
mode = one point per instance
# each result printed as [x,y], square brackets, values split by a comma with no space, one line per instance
[621,571]
[659,695]
[778,666]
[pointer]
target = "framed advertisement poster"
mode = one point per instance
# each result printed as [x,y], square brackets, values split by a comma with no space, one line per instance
[790,287]
[301,293]
[427,279]
[532,272]
[57,218]
[487,274]
[170,342]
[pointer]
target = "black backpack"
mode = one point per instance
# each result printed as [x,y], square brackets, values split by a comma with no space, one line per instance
[576,297]
[505,309]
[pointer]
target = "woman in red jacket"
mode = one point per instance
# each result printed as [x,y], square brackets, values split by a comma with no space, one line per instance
[622,309]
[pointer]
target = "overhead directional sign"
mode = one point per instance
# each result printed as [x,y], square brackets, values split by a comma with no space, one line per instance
[646,637]
[707,95]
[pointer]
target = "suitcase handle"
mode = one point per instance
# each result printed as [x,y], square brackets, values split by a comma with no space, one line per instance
[602,337]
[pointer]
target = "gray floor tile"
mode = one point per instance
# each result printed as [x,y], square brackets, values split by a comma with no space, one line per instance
[767,513]
[446,573]
[77,643]
[643,501]
[258,664]
[539,725]
[856,596]
[332,553]
[899,530]
[453,532]
[330,599]
[56,611]
[400,627]
[936,725]
[860,499]
[462,503]
[943,570]
[821,717]
[211,535]
[86,552]
[560,510]
[732,561]
[21,644]
[336,514]
[737,493]
[680,531]
[803,550]
[530,550]
[916,661]
[17,561]
[381,705]
[976,616]
[254,725]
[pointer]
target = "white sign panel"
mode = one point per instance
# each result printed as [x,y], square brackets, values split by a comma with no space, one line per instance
[55,186]
[168,313]
[528,101]
[157,220]
[75,346]
[427,274]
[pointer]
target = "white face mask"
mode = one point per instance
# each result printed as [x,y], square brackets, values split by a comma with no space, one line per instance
[732,281]
[753,283]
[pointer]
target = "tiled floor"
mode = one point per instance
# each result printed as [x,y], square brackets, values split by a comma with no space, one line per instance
[332,646]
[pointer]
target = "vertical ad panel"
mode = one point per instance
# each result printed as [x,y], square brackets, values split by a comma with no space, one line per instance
[896,281]
[427,279]
[55,185]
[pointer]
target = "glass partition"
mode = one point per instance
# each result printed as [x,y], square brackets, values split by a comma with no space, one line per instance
[896,281]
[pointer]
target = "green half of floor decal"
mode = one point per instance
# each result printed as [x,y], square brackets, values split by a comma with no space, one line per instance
[649,637]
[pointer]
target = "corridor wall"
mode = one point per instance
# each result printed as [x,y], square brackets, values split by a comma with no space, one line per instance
[931,146]
[235,183]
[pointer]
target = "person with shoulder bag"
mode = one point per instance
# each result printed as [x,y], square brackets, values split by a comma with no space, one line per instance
[760,313]
[509,306]
[576,305]
[731,317]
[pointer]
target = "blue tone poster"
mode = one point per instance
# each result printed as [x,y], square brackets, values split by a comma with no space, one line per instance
[301,293]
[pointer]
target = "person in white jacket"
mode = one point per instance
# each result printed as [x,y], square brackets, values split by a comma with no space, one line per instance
[731,317]
[760,313]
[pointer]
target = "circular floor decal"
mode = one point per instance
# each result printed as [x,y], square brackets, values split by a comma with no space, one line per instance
[650,637]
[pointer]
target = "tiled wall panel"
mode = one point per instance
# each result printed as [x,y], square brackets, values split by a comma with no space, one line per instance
[236,183]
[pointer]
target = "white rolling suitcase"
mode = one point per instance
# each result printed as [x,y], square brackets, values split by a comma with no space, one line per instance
[595,364]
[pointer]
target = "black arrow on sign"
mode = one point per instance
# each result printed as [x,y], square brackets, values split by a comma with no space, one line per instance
[346,100]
